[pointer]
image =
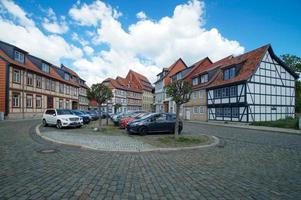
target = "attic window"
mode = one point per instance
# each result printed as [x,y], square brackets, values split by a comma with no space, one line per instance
[45,67]
[195,81]
[204,78]
[229,73]
[67,76]
[19,56]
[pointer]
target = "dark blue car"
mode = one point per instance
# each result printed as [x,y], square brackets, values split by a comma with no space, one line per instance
[154,123]
[79,113]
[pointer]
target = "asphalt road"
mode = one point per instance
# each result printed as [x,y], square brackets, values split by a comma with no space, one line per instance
[248,164]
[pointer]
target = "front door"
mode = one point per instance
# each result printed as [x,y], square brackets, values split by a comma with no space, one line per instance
[49,102]
[187,114]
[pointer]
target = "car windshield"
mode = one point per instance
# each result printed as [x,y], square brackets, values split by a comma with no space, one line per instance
[64,112]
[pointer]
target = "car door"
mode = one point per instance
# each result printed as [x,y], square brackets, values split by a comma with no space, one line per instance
[52,117]
[170,123]
[160,123]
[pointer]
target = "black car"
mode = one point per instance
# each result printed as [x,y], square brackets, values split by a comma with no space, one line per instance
[86,118]
[154,123]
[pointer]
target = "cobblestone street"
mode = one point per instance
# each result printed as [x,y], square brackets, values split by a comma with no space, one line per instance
[247,164]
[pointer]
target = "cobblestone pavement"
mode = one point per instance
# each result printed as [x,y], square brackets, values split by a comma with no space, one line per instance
[97,141]
[247,164]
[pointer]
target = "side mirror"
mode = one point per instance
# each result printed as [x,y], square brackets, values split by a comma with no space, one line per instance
[53,114]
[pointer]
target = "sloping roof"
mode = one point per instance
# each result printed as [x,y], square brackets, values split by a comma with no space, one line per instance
[32,67]
[70,71]
[143,82]
[122,84]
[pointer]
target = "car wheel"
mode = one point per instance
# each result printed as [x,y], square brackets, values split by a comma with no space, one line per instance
[143,131]
[59,124]
[44,123]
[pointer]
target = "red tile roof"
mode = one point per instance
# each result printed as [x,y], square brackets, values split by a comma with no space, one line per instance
[139,81]
[249,62]
[30,66]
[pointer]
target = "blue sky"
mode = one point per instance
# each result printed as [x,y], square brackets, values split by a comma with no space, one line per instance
[146,35]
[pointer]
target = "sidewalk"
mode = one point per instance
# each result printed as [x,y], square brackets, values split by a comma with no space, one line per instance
[248,126]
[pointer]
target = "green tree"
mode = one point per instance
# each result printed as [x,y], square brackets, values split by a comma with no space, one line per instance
[101,94]
[180,91]
[117,106]
[292,61]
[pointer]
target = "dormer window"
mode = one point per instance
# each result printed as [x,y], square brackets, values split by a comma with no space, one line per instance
[229,73]
[195,81]
[19,57]
[204,78]
[67,76]
[45,68]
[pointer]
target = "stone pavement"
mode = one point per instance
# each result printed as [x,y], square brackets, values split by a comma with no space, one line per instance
[97,142]
[248,164]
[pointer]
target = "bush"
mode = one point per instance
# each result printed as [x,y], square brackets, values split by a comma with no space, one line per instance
[289,122]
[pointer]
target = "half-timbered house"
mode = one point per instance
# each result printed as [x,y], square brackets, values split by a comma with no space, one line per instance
[255,86]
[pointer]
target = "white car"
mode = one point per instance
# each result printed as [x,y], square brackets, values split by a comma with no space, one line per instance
[61,118]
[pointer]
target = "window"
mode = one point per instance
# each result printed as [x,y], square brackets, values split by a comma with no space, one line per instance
[226,92]
[38,102]
[67,76]
[217,93]
[195,81]
[179,76]
[195,109]
[39,82]
[201,109]
[52,85]
[17,76]
[194,95]
[229,73]
[16,100]
[47,84]
[19,57]
[67,89]
[161,117]
[219,112]
[62,88]
[29,79]
[29,101]
[45,68]
[61,103]
[67,104]
[235,111]
[227,112]
[204,78]
[233,91]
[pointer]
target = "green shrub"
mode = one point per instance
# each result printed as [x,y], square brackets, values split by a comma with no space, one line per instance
[289,122]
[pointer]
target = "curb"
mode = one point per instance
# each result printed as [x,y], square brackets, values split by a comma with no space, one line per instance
[262,128]
[215,142]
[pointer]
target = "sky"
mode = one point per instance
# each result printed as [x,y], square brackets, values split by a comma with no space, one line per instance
[106,38]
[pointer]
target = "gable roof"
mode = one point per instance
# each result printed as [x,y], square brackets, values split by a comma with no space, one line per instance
[141,81]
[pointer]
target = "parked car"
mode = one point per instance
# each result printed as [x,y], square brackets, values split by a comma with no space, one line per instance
[124,115]
[86,118]
[154,123]
[61,118]
[124,122]
[94,114]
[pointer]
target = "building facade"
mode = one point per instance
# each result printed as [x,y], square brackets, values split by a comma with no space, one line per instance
[143,84]
[255,86]
[164,103]
[31,84]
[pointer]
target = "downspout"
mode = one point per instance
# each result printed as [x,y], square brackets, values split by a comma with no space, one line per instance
[7,90]
[23,104]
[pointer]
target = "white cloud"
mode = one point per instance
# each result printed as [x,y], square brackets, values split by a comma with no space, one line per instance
[53,25]
[141,15]
[30,38]
[88,50]
[17,13]
[92,14]
[159,42]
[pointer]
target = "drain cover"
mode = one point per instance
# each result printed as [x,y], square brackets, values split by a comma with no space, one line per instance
[47,151]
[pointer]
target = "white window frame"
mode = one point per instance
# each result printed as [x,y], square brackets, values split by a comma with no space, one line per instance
[17,76]
[20,57]
[16,100]
[29,101]
[38,101]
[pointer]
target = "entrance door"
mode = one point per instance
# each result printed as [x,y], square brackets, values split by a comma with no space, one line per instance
[74,105]
[187,114]
[49,102]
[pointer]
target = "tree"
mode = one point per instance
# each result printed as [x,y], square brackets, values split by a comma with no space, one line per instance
[117,106]
[292,61]
[101,94]
[180,91]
